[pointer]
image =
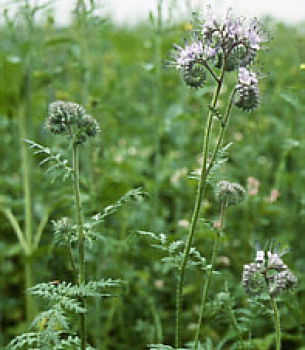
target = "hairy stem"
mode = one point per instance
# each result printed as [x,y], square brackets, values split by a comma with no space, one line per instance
[196,210]
[28,205]
[81,242]
[277,323]
[156,106]
[74,272]
[209,275]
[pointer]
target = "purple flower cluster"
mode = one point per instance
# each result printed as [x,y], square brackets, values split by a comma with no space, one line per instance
[267,273]
[231,44]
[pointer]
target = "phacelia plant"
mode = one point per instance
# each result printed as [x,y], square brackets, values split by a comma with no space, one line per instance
[269,275]
[216,48]
[57,329]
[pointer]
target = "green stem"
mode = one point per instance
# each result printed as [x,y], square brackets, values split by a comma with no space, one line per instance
[81,242]
[40,229]
[156,105]
[224,124]
[15,225]
[277,323]
[24,119]
[198,200]
[72,262]
[209,275]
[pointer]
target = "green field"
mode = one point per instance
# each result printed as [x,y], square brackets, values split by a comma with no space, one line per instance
[152,130]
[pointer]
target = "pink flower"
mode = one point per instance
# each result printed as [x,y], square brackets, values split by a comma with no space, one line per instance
[274,194]
[252,186]
[216,224]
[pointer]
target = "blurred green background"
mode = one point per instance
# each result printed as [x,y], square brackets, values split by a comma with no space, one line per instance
[152,130]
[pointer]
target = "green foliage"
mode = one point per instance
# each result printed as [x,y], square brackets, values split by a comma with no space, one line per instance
[64,292]
[174,251]
[58,165]
[155,149]
[43,341]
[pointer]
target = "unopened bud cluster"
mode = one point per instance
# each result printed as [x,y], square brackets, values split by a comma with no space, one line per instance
[230,45]
[230,193]
[72,119]
[267,274]
[64,230]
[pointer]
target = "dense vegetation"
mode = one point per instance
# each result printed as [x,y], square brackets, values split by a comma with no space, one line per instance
[151,135]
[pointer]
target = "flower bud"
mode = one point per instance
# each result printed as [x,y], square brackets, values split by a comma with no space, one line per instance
[194,75]
[247,89]
[229,192]
[71,118]
[63,226]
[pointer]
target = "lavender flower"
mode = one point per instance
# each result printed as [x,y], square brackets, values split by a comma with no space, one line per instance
[228,44]
[269,275]
[232,37]
[190,53]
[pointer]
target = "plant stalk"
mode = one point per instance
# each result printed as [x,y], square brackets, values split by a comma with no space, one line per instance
[156,106]
[209,274]
[195,215]
[28,215]
[277,323]
[81,243]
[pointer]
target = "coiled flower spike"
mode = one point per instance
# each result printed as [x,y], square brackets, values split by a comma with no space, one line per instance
[190,59]
[247,89]
[194,75]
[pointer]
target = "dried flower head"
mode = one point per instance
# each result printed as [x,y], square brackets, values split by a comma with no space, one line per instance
[229,192]
[267,274]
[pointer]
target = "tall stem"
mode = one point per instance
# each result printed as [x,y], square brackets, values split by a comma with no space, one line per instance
[209,274]
[28,215]
[277,323]
[195,215]
[156,105]
[81,243]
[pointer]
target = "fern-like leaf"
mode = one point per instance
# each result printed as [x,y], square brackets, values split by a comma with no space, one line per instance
[219,162]
[57,165]
[175,251]
[134,194]
[25,341]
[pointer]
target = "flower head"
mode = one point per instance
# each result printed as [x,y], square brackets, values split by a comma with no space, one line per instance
[267,273]
[64,116]
[229,44]
[247,88]
[190,53]
[229,192]
[236,42]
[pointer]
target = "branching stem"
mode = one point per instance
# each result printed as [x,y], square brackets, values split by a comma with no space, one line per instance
[205,168]
[209,274]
